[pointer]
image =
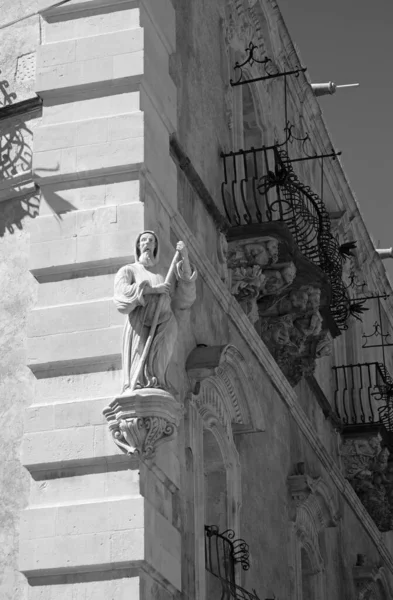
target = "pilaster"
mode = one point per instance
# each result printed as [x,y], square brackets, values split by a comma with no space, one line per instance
[98,522]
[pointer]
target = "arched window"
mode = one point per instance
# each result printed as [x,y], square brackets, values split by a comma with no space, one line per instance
[313,509]
[216,494]
[223,400]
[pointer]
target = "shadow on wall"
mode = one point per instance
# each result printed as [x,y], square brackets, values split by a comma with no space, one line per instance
[15,149]
[6,97]
[19,197]
[12,212]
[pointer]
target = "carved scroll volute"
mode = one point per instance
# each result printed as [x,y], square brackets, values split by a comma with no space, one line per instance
[142,421]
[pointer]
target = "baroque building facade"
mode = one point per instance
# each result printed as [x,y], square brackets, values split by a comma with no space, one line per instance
[226,432]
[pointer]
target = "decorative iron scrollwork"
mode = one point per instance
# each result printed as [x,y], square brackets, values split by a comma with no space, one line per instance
[266,62]
[260,186]
[222,553]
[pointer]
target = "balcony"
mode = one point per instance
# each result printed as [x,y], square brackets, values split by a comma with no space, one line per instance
[364,402]
[261,187]
[285,266]
[364,396]
[222,554]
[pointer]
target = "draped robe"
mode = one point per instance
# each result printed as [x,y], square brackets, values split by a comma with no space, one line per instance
[129,299]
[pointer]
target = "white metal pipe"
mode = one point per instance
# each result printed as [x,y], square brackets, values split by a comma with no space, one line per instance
[385,252]
[323,89]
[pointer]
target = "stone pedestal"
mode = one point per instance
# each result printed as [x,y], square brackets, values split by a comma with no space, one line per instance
[142,420]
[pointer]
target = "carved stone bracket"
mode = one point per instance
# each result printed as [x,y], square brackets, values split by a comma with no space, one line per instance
[366,466]
[142,420]
[283,294]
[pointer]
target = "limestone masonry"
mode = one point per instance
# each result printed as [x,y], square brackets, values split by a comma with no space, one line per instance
[195,381]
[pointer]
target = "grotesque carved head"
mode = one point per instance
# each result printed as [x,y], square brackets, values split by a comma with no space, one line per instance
[272,248]
[289,273]
[299,299]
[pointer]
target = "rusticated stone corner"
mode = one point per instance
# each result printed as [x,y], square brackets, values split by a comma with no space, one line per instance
[142,420]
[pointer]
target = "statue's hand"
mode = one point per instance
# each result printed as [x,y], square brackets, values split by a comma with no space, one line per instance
[181,247]
[161,288]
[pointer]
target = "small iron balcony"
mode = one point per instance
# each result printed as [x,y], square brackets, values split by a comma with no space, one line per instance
[222,553]
[364,395]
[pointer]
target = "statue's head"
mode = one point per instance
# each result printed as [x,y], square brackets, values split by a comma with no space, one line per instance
[147,248]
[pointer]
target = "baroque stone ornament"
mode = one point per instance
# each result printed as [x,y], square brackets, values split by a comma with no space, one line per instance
[146,413]
[141,422]
[283,294]
[366,467]
[252,272]
[371,583]
[223,389]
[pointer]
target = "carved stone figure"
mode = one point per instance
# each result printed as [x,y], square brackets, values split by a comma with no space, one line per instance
[365,464]
[247,261]
[372,493]
[146,413]
[292,328]
[361,457]
[252,274]
[139,290]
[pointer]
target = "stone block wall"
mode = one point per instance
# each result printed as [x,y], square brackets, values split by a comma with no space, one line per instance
[93,525]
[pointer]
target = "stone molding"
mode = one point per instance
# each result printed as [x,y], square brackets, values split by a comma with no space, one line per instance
[220,400]
[142,420]
[221,384]
[313,509]
[368,579]
[239,320]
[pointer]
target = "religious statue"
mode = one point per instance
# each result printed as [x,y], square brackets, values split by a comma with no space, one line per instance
[147,299]
[147,413]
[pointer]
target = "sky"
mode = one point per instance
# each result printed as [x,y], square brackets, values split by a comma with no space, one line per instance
[351,41]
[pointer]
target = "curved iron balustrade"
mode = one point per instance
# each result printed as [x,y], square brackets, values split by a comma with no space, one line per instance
[359,390]
[260,186]
[222,553]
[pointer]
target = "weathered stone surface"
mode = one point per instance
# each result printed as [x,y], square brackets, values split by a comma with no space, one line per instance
[16,301]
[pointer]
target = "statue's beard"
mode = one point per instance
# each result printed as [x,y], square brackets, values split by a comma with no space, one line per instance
[145,259]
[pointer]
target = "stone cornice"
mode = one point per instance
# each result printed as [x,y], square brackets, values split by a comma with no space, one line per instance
[284,389]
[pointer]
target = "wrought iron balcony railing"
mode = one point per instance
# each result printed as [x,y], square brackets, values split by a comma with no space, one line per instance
[222,553]
[260,186]
[364,395]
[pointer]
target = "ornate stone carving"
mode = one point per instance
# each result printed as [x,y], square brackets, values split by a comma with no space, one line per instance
[313,508]
[366,466]
[142,421]
[314,496]
[284,295]
[146,414]
[222,388]
[222,255]
[252,274]
[371,583]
